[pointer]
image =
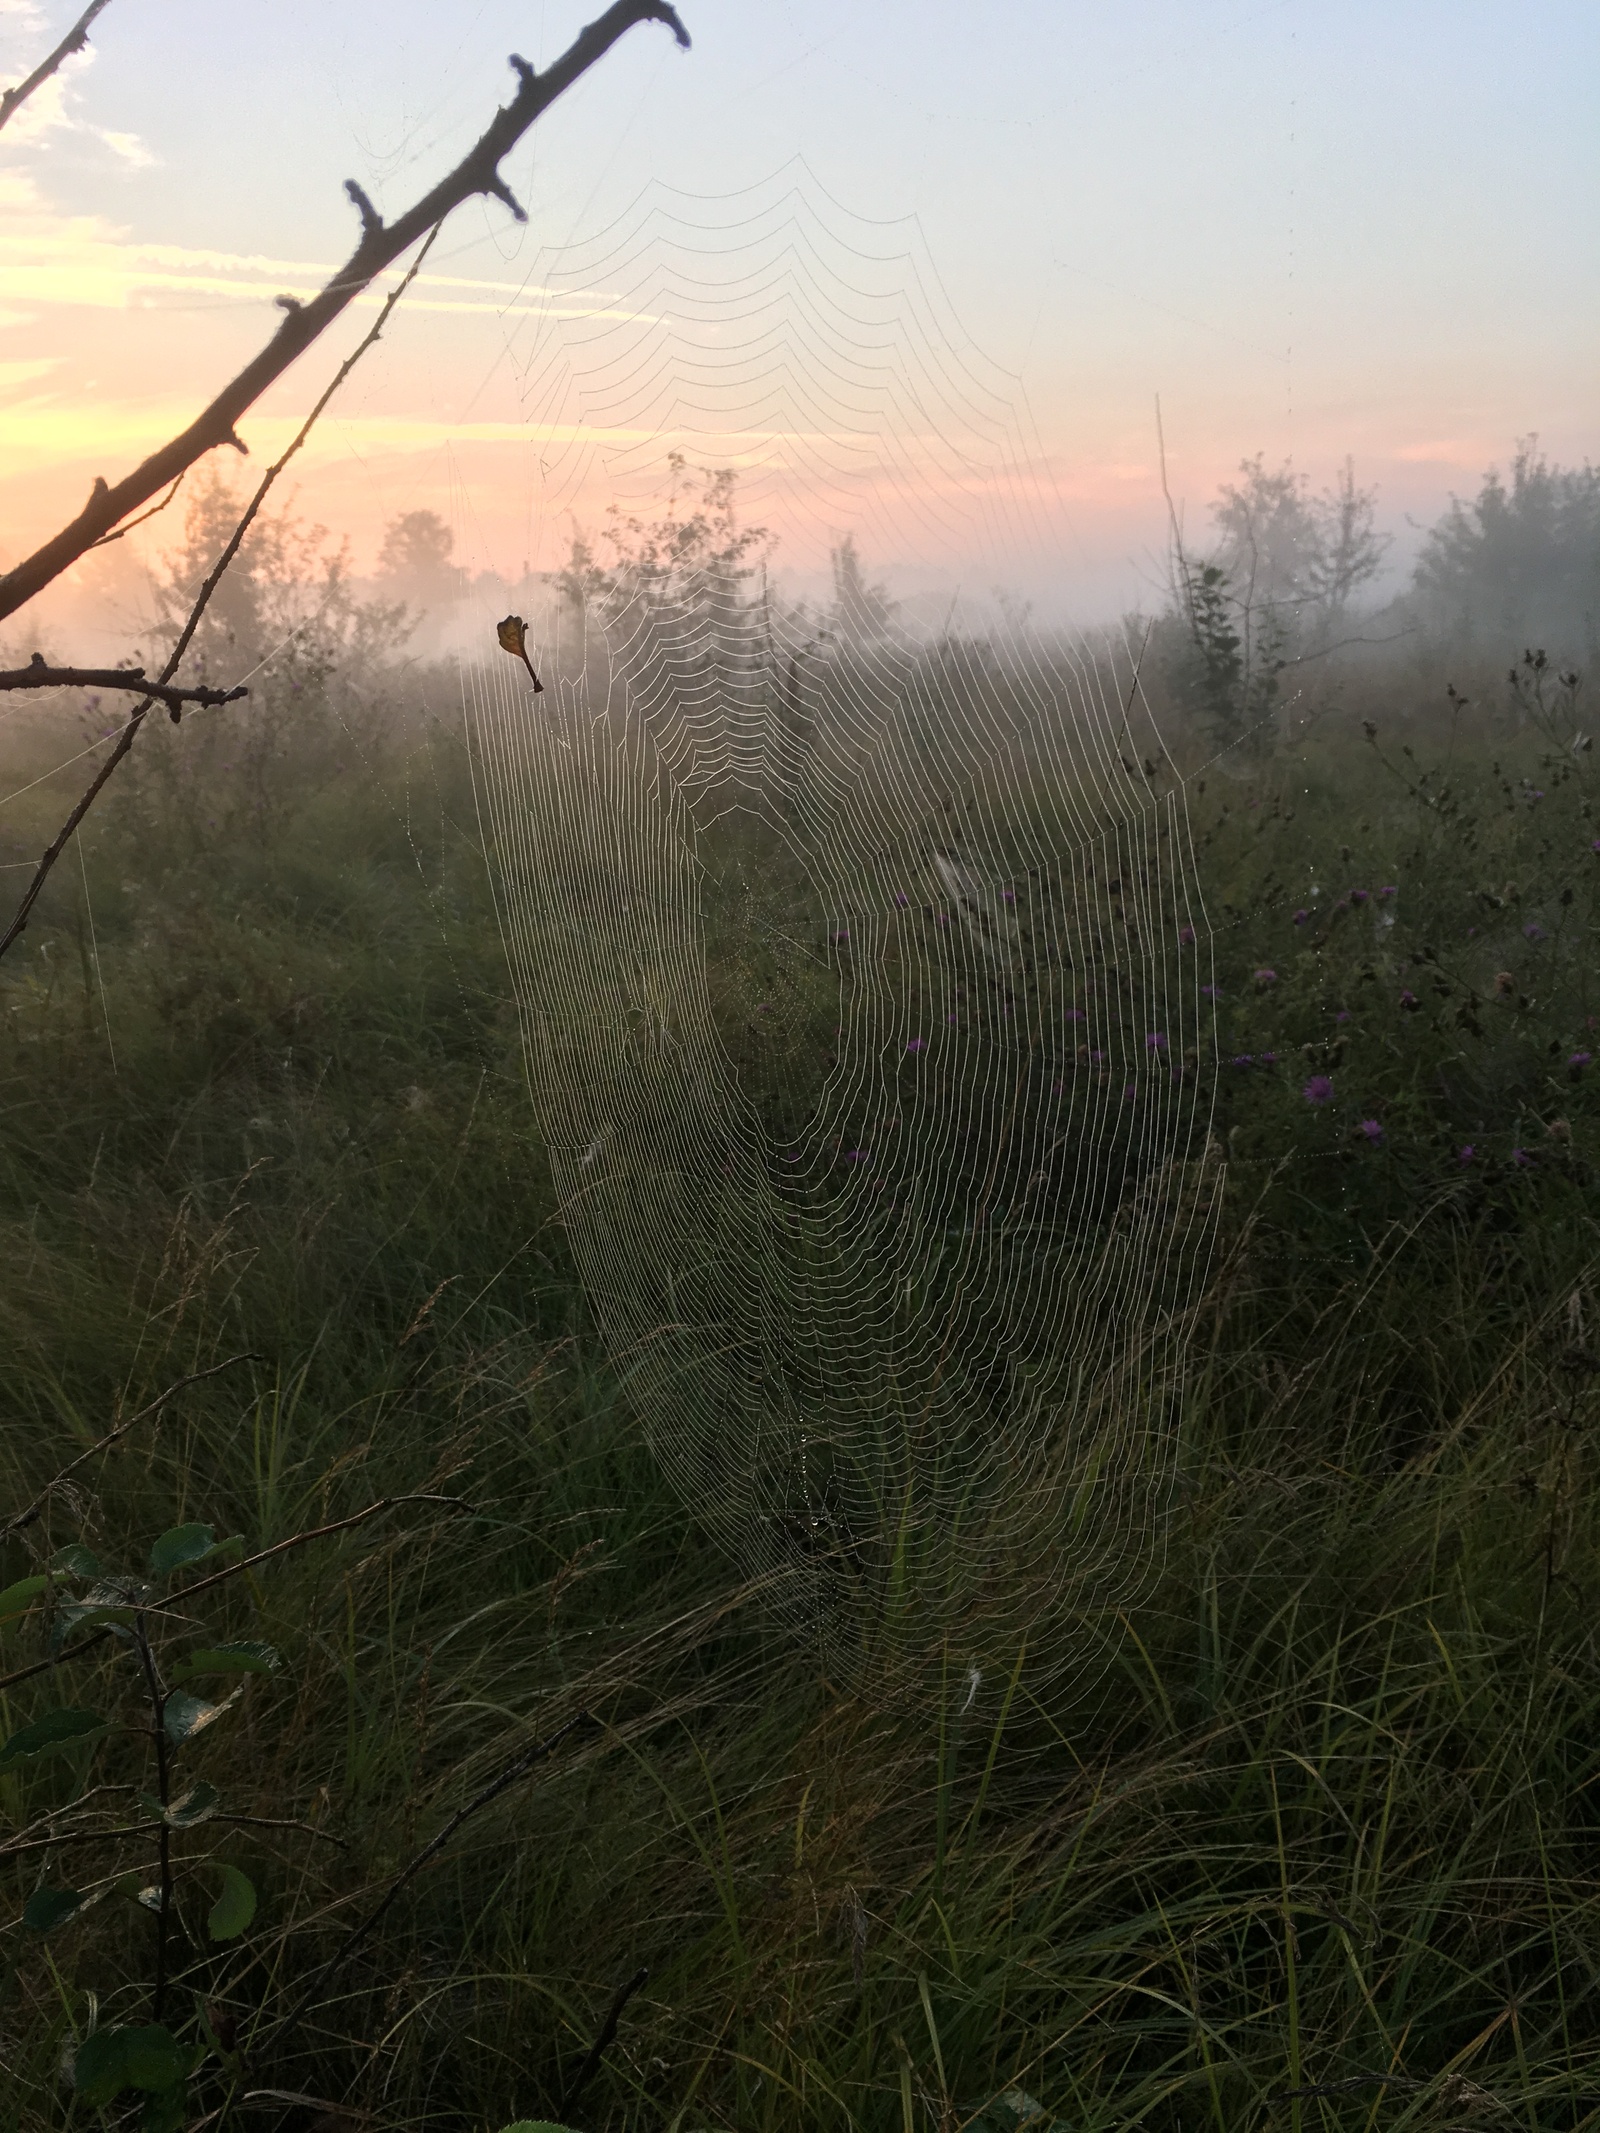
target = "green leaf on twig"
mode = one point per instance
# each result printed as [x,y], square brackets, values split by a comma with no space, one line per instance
[46,1909]
[110,2060]
[234,1908]
[180,1546]
[197,1805]
[186,1715]
[18,1598]
[76,1561]
[227,1659]
[52,1735]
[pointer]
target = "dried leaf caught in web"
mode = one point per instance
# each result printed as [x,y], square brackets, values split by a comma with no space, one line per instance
[513,636]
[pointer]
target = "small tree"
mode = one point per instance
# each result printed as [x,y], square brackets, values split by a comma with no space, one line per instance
[1520,563]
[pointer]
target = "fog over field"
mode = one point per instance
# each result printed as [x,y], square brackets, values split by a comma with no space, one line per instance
[799,1290]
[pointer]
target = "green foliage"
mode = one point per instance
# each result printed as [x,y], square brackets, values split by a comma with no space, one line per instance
[1316,1838]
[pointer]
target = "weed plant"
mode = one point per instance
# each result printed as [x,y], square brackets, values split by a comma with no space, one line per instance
[1316,1849]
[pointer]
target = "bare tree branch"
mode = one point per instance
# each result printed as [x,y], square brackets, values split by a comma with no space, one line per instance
[38,675]
[379,247]
[130,731]
[74,41]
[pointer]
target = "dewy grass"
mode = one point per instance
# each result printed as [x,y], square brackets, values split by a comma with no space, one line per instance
[1316,1849]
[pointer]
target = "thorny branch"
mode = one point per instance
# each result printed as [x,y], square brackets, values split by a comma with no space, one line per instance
[130,731]
[38,674]
[379,247]
[74,41]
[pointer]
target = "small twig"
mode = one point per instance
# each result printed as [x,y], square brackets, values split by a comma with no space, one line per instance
[74,41]
[38,675]
[518,1768]
[146,1829]
[298,1540]
[602,2043]
[144,517]
[233,1570]
[195,1377]
[1346,2088]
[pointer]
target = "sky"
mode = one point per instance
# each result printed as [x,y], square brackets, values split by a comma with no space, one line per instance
[1309,229]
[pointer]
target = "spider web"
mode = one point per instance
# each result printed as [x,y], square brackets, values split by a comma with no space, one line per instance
[859,954]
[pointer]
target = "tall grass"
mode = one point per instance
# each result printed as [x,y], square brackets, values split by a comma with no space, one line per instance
[1315,1848]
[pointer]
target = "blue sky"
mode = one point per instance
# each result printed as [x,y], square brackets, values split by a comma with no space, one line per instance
[1311,228]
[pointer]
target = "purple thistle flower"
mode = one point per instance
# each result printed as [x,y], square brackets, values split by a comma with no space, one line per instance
[1392,889]
[1075,1014]
[1533,931]
[1131,1090]
[1266,1058]
[1318,1090]
[1467,1155]
[1301,916]
[1343,1015]
[1186,937]
[1370,1130]
[916,1044]
[1243,1059]
[1358,896]
[1155,1042]
[901,898]
[1097,1058]
[1580,1059]
[1212,992]
[950,1018]
[1408,1001]
[1522,1159]
[1595,846]
[842,937]
[1008,896]
[1265,976]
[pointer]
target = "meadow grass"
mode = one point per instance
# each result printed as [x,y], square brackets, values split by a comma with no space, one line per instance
[1314,1846]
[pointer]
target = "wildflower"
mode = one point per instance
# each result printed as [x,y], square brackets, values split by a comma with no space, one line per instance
[1391,889]
[1408,1002]
[1466,1155]
[1370,1131]
[1595,846]
[1533,931]
[1186,937]
[1243,1059]
[1097,1059]
[1155,1042]
[1301,916]
[1212,992]
[1579,1060]
[1343,1015]
[916,1044]
[1008,896]
[950,1018]
[1075,1014]
[1559,1129]
[1131,1090]
[901,898]
[842,937]
[1522,1159]
[1265,977]
[1266,1058]
[858,1155]
[1318,1090]
[1504,984]
[1535,795]
[1358,896]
